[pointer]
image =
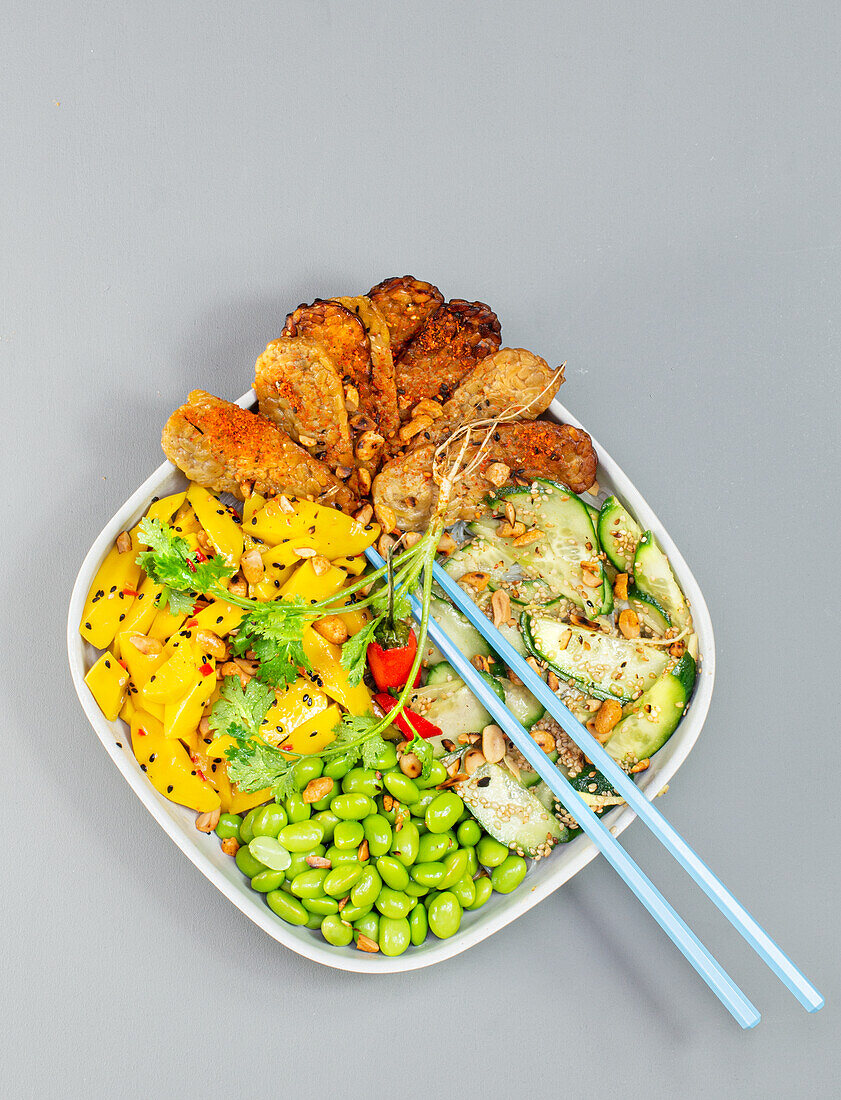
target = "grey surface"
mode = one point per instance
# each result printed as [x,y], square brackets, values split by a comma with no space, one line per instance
[649,191]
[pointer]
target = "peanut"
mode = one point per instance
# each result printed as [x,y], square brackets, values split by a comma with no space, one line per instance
[591,574]
[123,542]
[629,624]
[317,789]
[476,580]
[304,551]
[446,544]
[332,628]
[493,744]
[286,505]
[211,643]
[410,765]
[497,474]
[641,766]
[501,605]
[387,518]
[230,668]
[473,759]
[145,645]
[230,846]
[620,586]
[415,426]
[365,943]
[364,515]
[529,537]
[606,718]
[238,587]
[544,739]
[320,565]
[207,822]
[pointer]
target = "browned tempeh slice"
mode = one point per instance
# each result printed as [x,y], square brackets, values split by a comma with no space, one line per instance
[452,341]
[226,448]
[512,382]
[383,386]
[405,302]
[528,448]
[299,388]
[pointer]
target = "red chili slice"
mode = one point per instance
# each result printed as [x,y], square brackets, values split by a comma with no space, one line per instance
[425,728]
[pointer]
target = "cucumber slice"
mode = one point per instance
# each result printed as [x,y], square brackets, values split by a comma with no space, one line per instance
[522,703]
[465,636]
[648,610]
[604,667]
[458,711]
[655,715]
[442,673]
[619,534]
[531,593]
[510,813]
[482,555]
[568,539]
[653,576]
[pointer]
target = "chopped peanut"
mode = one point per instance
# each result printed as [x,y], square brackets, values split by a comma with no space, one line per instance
[211,643]
[317,789]
[207,822]
[606,718]
[497,474]
[620,586]
[364,515]
[629,623]
[320,565]
[123,542]
[230,846]
[145,645]
[332,628]
[501,605]
[476,580]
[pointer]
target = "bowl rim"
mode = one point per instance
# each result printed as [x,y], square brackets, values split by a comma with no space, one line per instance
[173,819]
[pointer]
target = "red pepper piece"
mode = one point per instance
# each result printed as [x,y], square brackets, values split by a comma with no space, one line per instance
[206,669]
[425,729]
[391,667]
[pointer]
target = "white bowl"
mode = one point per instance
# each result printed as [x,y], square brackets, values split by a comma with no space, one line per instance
[543,878]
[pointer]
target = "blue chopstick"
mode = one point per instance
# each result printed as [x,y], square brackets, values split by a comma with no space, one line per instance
[675,927]
[669,837]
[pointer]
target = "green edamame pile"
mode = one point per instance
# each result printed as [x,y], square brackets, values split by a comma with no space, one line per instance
[378,861]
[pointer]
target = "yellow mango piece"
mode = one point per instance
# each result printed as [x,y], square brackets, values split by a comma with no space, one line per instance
[279,563]
[140,665]
[168,766]
[240,802]
[107,681]
[328,674]
[219,616]
[165,624]
[233,800]
[172,680]
[128,709]
[218,747]
[182,717]
[333,534]
[313,735]
[352,566]
[155,709]
[165,508]
[253,505]
[294,703]
[310,586]
[107,602]
[221,527]
[141,614]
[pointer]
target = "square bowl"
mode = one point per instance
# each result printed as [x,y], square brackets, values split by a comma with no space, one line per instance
[543,878]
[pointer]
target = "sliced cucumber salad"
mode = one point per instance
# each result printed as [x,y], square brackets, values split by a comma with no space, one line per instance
[590,597]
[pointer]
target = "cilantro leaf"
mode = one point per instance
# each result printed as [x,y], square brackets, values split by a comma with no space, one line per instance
[239,711]
[171,562]
[253,765]
[355,649]
[275,631]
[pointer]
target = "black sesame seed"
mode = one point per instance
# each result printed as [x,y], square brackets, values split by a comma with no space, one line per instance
[484,782]
[143,767]
[87,626]
[169,789]
[152,758]
[107,664]
[119,744]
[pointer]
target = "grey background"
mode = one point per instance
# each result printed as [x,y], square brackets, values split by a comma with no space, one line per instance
[649,191]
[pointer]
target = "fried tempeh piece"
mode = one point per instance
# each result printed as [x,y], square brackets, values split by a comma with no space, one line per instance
[452,341]
[405,302]
[228,449]
[299,388]
[512,382]
[383,384]
[528,448]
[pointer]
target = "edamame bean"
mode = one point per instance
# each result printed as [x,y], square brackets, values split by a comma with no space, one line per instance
[427,874]
[348,834]
[336,769]
[455,865]
[270,851]
[366,887]
[296,809]
[321,905]
[339,881]
[509,874]
[395,935]
[418,925]
[484,888]
[369,925]
[378,834]
[353,807]
[336,931]
[464,891]
[469,833]
[248,864]
[353,912]
[246,833]
[287,907]
[298,864]
[437,774]
[472,861]
[301,836]
[328,821]
[415,890]
[392,872]
[401,786]
[434,846]
[265,881]
[418,809]
[321,805]
[305,769]
[406,842]
[444,915]
[313,920]
[394,903]
[309,884]
[490,852]
[268,820]
[387,758]
[443,812]
[361,781]
[342,855]
[229,826]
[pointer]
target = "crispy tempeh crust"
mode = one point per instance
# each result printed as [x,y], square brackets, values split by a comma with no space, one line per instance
[228,449]
[405,302]
[511,382]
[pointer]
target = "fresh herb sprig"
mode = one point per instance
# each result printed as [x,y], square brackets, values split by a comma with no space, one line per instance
[183,572]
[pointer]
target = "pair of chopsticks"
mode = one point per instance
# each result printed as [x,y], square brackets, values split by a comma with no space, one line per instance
[675,927]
